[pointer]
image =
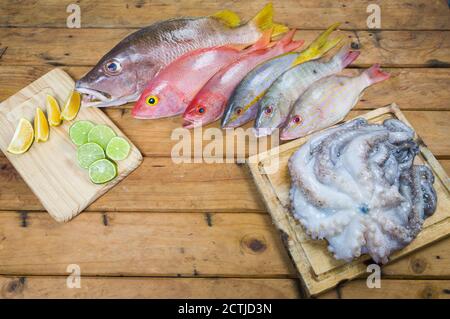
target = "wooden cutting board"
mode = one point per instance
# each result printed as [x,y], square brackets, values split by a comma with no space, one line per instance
[318,269]
[50,169]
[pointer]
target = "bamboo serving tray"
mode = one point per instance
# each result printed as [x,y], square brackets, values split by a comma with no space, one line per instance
[50,169]
[317,268]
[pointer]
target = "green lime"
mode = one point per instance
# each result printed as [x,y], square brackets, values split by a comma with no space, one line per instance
[118,148]
[102,171]
[78,132]
[89,153]
[101,134]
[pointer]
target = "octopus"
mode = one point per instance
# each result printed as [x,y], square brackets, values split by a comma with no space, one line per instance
[356,186]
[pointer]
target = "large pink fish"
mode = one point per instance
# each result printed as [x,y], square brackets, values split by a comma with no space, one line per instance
[209,104]
[171,91]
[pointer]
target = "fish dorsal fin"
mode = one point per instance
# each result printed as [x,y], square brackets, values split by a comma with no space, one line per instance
[319,46]
[264,21]
[228,17]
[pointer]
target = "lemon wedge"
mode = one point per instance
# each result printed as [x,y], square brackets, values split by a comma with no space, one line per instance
[53,111]
[22,139]
[40,126]
[72,106]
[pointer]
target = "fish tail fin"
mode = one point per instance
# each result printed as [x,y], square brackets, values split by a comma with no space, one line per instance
[264,21]
[287,43]
[228,17]
[345,56]
[375,74]
[319,46]
[263,42]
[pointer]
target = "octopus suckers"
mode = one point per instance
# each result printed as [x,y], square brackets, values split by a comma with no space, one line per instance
[356,186]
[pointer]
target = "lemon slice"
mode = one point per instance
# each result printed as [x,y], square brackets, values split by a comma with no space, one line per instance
[22,139]
[53,111]
[71,107]
[40,126]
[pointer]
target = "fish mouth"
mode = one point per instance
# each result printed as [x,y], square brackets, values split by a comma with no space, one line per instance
[96,98]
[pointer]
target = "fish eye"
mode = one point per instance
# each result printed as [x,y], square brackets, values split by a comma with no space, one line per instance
[239,110]
[297,120]
[268,110]
[151,100]
[113,67]
[201,110]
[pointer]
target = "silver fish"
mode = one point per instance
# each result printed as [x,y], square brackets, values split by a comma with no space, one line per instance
[121,75]
[274,107]
[243,104]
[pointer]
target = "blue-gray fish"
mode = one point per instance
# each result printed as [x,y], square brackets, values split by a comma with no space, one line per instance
[276,104]
[122,74]
[243,104]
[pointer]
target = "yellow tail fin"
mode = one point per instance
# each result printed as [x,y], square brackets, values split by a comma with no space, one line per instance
[264,21]
[228,17]
[319,46]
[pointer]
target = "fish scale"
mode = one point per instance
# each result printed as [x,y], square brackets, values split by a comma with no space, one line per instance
[275,106]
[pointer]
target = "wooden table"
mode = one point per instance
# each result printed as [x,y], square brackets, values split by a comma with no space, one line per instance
[201,230]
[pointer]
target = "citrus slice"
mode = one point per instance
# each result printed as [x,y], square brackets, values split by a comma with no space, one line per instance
[53,111]
[101,134]
[22,139]
[89,153]
[118,148]
[102,171]
[71,107]
[40,126]
[79,131]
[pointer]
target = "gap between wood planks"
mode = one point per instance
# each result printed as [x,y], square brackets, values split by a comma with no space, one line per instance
[390,48]
[400,14]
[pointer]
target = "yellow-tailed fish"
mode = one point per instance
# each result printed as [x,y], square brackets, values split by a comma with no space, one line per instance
[243,104]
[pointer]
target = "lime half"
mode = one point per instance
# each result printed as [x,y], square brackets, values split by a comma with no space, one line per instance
[101,134]
[79,131]
[89,153]
[118,148]
[102,171]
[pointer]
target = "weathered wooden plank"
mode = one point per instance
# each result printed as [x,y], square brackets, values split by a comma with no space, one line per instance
[134,287]
[153,137]
[135,244]
[433,261]
[410,88]
[31,46]
[307,14]
[170,244]
[392,289]
[157,185]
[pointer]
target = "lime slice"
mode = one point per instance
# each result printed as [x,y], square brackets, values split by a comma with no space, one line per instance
[118,148]
[101,134]
[79,131]
[89,153]
[102,171]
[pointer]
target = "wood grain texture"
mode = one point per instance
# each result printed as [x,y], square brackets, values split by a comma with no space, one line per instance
[307,14]
[318,269]
[411,88]
[392,289]
[137,287]
[31,46]
[50,169]
[147,244]
[136,244]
